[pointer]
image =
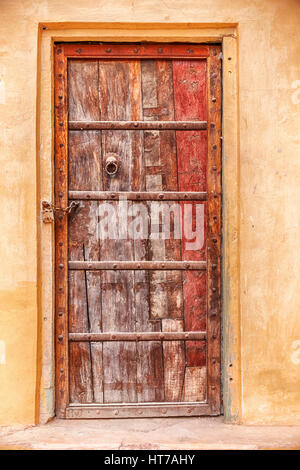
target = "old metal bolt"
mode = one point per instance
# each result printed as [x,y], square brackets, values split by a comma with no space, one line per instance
[60,337]
[108,51]
[61,266]
[78,50]
[58,51]
[214,99]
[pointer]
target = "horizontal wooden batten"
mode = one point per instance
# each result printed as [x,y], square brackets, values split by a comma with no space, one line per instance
[145,336]
[138,196]
[138,265]
[137,125]
[137,410]
[131,51]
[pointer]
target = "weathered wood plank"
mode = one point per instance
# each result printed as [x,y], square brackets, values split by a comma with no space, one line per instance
[214,228]
[190,103]
[160,153]
[85,173]
[194,388]
[137,265]
[174,361]
[81,383]
[130,51]
[154,334]
[61,235]
[119,358]
[149,354]
[138,195]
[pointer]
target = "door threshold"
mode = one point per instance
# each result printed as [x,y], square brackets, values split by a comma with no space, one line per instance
[138,410]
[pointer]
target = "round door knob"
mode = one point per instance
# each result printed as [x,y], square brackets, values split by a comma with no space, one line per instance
[112,165]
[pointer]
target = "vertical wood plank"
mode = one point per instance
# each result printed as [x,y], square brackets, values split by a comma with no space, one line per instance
[119,358]
[194,388]
[214,227]
[191,103]
[85,172]
[61,232]
[174,361]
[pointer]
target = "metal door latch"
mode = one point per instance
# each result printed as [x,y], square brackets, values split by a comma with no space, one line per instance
[112,164]
[49,210]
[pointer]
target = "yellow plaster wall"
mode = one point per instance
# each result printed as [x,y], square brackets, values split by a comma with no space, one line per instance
[269,115]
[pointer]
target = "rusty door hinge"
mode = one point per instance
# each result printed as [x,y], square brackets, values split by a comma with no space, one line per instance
[49,210]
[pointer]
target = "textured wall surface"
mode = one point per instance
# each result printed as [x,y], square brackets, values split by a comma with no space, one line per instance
[269,97]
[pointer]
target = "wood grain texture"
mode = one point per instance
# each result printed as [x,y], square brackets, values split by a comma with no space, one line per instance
[190,100]
[118,293]
[84,295]
[214,228]
[61,233]
[174,361]
[128,51]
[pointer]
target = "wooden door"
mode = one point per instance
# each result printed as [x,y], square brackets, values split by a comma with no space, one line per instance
[137,162]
